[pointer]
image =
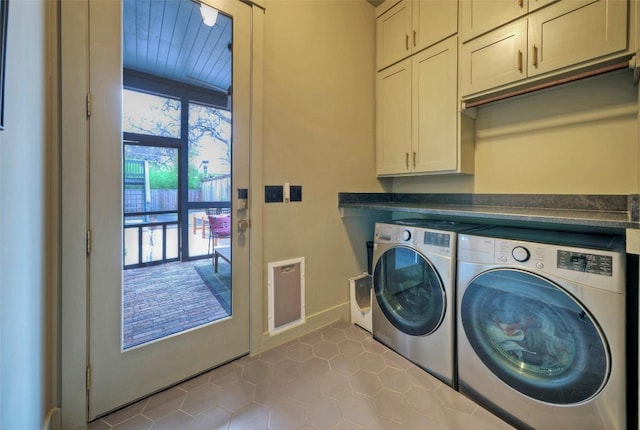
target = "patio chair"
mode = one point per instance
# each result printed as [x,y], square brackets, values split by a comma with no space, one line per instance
[219,228]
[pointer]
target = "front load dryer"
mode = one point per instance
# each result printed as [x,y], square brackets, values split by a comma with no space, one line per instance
[541,327]
[413,279]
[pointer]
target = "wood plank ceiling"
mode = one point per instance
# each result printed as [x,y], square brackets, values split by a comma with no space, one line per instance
[167,38]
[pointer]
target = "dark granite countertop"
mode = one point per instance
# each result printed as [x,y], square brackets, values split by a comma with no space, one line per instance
[581,212]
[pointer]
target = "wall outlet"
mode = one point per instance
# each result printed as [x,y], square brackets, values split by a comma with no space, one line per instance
[295,193]
[273,194]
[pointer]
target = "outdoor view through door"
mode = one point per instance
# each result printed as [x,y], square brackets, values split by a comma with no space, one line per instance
[177,148]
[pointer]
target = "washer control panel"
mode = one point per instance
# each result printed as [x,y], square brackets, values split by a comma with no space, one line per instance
[585,262]
[427,240]
[406,235]
[513,252]
[520,253]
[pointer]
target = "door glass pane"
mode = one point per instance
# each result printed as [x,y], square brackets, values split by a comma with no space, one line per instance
[150,204]
[209,154]
[209,176]
[150,114]
[177,191]
[534,336]
[409,291]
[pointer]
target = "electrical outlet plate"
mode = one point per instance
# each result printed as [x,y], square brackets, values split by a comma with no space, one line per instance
[295,193]
[273,194]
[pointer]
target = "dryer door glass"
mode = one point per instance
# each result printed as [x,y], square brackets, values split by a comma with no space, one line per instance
[534,336]
[409,291]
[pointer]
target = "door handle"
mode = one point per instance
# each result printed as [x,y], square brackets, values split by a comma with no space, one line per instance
[519,61]
[243,225]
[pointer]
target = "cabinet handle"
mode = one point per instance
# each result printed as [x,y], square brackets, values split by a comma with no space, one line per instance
[414,160]
[415,37]
[519,61]
[521,3]
[406,41]
[535,56]
[406,160]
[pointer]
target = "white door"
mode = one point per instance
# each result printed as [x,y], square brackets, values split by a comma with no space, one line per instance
[119,376]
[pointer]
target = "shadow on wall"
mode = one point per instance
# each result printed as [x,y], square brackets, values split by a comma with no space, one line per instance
[359,229]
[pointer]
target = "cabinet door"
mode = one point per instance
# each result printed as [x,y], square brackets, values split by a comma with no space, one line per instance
[570,32]
[433,21]
[435,108]
[393,119]
[537,4]
[393,30]
[480,16]
[495,59]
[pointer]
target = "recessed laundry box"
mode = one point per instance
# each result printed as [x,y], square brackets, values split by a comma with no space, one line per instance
[360,293]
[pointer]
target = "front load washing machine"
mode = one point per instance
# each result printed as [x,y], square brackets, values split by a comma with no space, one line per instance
[413,279]
[541,327]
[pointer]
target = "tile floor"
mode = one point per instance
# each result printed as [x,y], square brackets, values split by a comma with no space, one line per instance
[337,377]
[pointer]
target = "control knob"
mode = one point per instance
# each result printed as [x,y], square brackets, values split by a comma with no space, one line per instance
[406,235]
[520,253]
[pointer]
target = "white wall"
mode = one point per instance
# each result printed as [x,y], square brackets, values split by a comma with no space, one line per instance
[319,70]
[24,386]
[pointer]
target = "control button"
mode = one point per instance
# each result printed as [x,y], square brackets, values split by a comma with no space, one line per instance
[406,235]
[539,265]
[520,253]
[503,259]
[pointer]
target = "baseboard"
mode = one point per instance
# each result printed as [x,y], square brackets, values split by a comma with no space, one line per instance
[313,322]
[52,420]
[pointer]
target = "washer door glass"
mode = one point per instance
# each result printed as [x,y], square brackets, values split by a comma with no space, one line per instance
[409,291]
[535,337]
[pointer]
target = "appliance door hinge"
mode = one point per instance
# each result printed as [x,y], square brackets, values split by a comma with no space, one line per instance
[89,242]
[88,102]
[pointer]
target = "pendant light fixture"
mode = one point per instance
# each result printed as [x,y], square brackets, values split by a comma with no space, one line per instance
[209,15]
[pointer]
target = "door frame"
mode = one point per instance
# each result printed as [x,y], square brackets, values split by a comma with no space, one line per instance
[74,152]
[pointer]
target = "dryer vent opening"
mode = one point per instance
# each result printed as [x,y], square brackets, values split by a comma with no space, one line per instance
[286,295]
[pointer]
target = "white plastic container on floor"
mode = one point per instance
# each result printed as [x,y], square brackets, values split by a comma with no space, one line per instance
[361,288]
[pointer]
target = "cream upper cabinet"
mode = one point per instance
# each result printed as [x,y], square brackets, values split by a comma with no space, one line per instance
[433,21]
[393,29]
[393,119]
[435,108]
[561,35]
[480,16]
[537,4]
[495,59]
[417,115]
[570,32]
[412,25]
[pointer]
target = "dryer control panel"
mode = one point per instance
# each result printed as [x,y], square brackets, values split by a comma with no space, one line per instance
[595,267]
[585,262]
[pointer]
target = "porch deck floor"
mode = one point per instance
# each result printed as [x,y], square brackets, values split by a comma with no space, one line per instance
[166,299]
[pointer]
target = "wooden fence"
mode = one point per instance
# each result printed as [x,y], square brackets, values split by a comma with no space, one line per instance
[212,190]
